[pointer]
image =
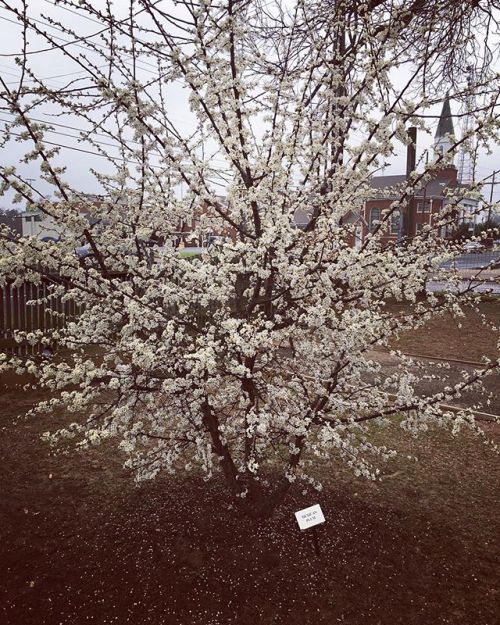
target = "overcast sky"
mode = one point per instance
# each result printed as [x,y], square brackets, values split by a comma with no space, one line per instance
[54,67]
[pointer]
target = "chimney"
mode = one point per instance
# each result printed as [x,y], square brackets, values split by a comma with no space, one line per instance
[411,151]
[407,220]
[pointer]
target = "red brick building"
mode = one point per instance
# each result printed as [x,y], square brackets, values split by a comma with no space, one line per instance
[419,210]
[427,201]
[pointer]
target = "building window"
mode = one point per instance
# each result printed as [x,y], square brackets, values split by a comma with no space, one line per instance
[374,216]
[419,228]
[37,218]
[424,206]
[28,219]
[395,221]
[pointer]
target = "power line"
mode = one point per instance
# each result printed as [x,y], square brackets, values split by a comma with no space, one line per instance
[88,132]
[48,121]
[90,19]
[74,12]
[48,78]
[65,134]
[75,43]
[52,123]
[31,52]
[69,147]
[106,156]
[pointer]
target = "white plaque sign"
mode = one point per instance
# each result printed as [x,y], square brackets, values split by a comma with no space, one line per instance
[309,517]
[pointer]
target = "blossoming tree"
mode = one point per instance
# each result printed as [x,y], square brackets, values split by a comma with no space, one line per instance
[256,356]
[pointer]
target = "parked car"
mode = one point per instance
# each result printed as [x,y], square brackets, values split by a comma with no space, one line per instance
[473,246]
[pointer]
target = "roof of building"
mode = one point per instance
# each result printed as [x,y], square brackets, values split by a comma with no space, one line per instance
[302,217]
[382,182]
[445,124]
[434,188]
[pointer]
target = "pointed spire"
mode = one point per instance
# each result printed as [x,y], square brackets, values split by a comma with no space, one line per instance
[445,125]
[444,139]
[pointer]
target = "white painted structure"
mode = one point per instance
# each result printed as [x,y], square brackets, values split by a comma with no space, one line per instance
[36,223]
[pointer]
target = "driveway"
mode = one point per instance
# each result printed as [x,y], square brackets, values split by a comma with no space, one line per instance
[473,260]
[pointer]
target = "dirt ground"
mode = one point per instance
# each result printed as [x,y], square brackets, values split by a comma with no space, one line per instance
[433,378]
[450,337]
[80,543]
[466,339]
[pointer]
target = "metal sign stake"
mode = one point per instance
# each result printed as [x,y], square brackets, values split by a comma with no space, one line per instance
[317,550]
[310,518]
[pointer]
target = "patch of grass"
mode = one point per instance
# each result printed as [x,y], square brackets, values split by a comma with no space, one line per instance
[189,254]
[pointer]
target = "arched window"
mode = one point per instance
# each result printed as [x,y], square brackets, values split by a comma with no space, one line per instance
[374,216]
[395,219]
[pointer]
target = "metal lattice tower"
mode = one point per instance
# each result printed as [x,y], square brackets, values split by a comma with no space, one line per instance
[467,157]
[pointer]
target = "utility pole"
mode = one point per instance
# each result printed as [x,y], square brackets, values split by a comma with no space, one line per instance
[492,184]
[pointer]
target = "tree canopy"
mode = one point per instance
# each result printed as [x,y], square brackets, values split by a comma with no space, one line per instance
[256,356]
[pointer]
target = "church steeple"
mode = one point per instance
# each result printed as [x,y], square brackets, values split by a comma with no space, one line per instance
[445,133]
